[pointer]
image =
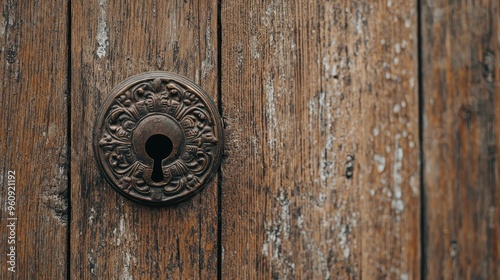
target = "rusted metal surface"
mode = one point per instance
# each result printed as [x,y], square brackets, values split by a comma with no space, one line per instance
[158,138]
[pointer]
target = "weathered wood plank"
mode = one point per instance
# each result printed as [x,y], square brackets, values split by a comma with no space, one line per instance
[112,237]
[33,143]
[310,90]
[461,66]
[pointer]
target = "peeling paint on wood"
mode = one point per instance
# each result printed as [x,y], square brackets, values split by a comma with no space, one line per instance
[102,31]
[314,86]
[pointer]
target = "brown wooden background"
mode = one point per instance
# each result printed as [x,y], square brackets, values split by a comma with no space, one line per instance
[361,139]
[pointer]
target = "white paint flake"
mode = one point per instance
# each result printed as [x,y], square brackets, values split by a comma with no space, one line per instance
[407,23]
[254,40]
[92,261]
[380,161]
[126,266]
[208,62]
[397,202]
[278,232]
[254,46]
[92,216]
[387,149]
[119,233]
[359,20]
[344,246]
[387,192]
[271,110]
[285,213]
[300,221]
[102,31]
[3,26]
[414,185]
[324,265]
[404,43]
[327,166]
[397,48]
[265,249]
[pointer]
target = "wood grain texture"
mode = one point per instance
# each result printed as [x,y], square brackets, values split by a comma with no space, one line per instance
[461,66]
[33,143]
[112,237]
[321,175]
[309,89]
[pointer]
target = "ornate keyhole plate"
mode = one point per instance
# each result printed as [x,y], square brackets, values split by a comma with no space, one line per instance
[158,138]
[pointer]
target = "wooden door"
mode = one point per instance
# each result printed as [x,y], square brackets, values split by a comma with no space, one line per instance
[361,139]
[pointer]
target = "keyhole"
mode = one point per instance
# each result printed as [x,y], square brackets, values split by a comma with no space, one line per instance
[158,147]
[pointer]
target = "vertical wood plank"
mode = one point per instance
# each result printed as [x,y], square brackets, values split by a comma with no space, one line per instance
[461,66]
[112,237]
[33,141]
[321,178]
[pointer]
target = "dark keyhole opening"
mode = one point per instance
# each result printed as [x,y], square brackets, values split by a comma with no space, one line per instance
[158,147]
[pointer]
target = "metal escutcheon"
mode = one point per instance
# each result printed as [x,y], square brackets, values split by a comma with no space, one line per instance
[158,138]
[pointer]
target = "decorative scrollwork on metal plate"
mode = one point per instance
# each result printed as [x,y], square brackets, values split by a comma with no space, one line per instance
[166,105]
